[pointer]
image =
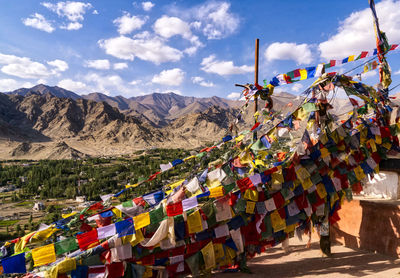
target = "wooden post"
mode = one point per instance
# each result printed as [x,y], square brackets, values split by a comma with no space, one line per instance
[256,82]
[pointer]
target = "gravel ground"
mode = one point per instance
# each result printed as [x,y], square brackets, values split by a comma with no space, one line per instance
[303,262]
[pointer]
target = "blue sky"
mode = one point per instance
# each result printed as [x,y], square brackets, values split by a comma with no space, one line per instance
[194,48]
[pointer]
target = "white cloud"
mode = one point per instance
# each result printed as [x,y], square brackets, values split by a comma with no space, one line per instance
[200,80]
[108,84]
[59,64]
[74,86]
[127,23]
[72,26]
[98,64]
[397,72]
[211,65]
[356,33]
[7,85]
[120,66]
[135,82]
[23,67]
[300,53]
[95,12]
[144,47]
[73,11]
[39,22]
[233,96]
[147,6]
[216,19]
[297,87]
[168,27]
[172,77]
[369,74]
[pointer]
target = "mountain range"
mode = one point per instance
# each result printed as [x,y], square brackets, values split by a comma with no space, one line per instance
[46,122]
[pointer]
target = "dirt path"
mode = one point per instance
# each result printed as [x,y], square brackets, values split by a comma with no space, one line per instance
[303,262]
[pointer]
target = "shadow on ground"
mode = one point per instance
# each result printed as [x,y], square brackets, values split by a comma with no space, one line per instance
[303,262]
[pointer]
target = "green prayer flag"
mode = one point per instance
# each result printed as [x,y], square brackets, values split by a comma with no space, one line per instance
[258,145]
[127,204]
[66,245]
[229,187]
[316,178]
[352,177]
[210,211]
[194,262]
[309,107]
[240,205]
[268,227]
[156,215]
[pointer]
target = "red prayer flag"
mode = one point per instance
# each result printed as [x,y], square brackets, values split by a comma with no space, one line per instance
[255,126]
[174,209]
[96,206]
[115,270]
[87,240]
[244,184]
[278,200]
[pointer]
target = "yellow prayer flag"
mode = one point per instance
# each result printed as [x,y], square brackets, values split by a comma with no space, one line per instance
[307,183]
[259,162]
[67,265]
[290,228]
[131,185]
[133,239]
[194,222]
[174,185]
[351,58]
[372,144]
[219,251]
[44,234]
[250,207]
[216,192]
[324,152]
[213,183]
[208,255]
[68,214]
[148,273]
[359,173]
[334,198]
[303,74]
[302,173]
[142,220]
[300,114]
[387,145]
[251,195]
[277,177]
[239,138]
[378,139]
[44,255]
[321,190]
[117,212]
[189,157]
[278,224]
[22,242]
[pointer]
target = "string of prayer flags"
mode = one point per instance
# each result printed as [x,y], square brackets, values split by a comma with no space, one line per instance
[310,72]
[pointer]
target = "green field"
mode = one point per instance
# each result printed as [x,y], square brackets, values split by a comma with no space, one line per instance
[4,223]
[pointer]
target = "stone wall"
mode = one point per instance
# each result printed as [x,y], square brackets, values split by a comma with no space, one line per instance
[372,225]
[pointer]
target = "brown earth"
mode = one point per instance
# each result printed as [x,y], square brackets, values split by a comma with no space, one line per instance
[304,262]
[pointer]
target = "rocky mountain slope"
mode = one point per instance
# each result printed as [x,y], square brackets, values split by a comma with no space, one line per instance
[44,126]
[51,122]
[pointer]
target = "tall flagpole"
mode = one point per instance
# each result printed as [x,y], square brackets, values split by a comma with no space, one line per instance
[256,82]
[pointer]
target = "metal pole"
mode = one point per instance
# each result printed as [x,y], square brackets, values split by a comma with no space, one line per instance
[256,82]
